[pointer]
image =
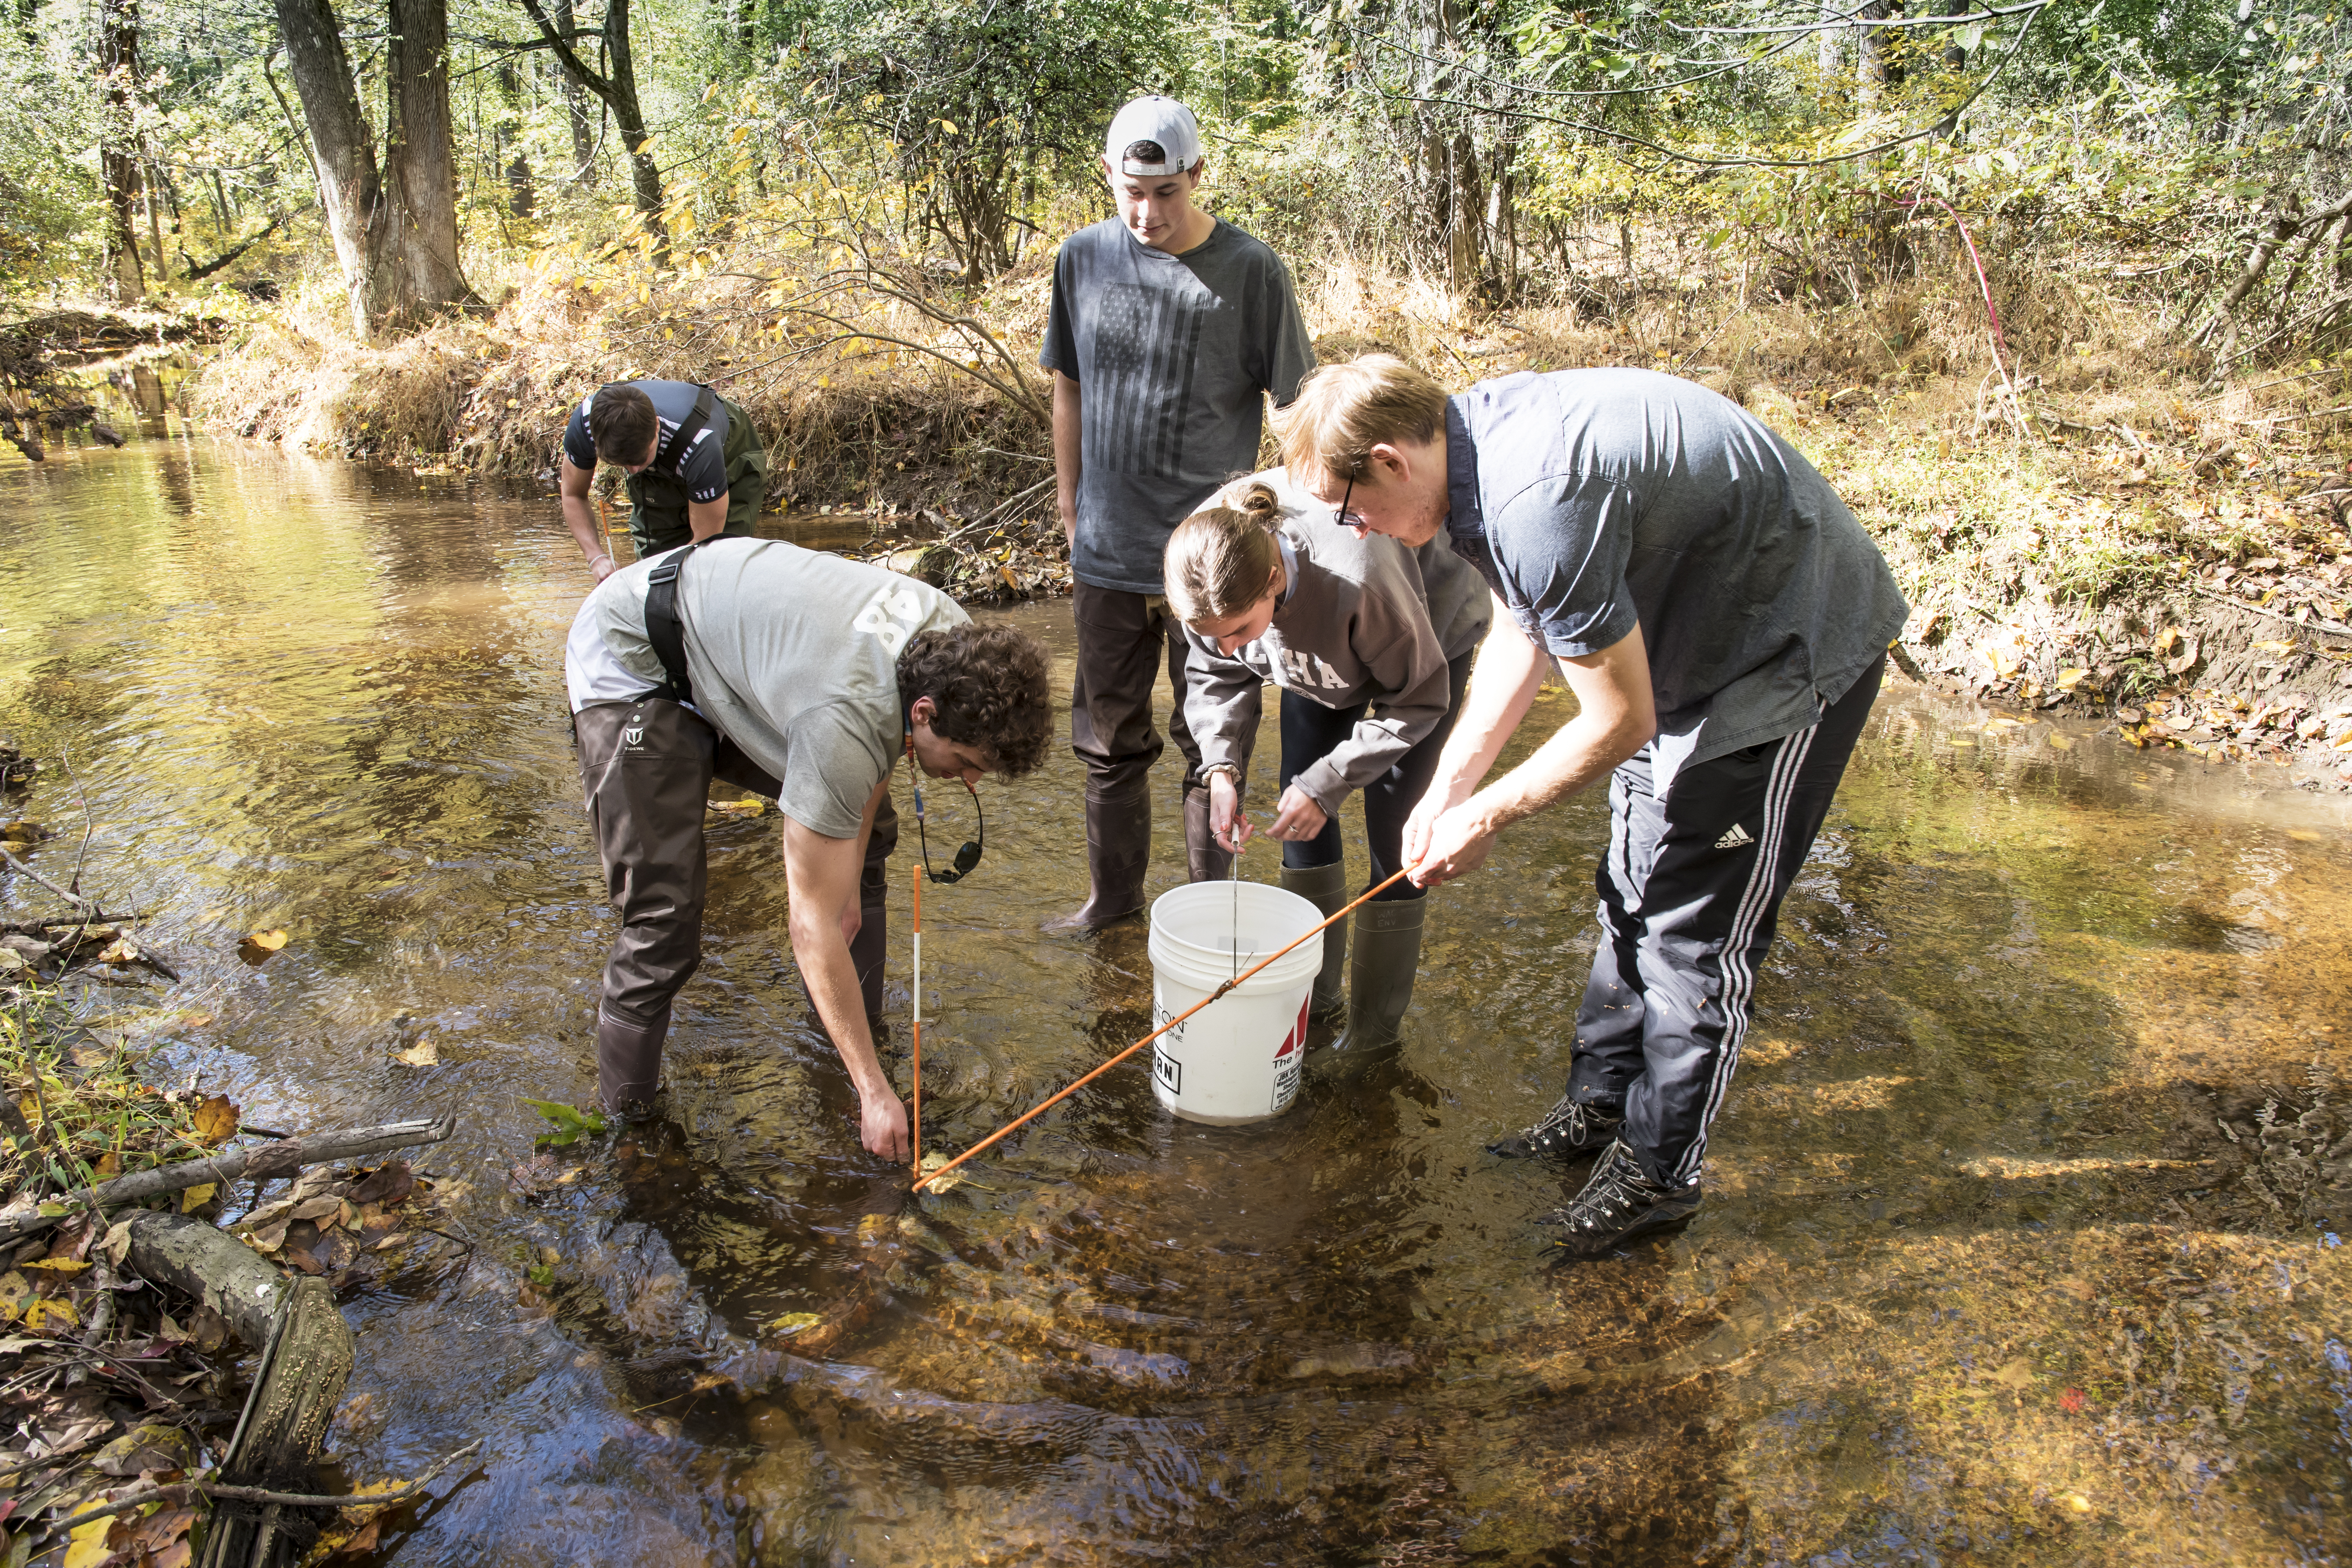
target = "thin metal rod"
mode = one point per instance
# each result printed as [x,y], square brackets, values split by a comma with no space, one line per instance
[1043,1107]
[917,1139]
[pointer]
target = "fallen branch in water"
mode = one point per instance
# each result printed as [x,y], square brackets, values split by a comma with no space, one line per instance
[178,1491]
[74,899]
[268,1160]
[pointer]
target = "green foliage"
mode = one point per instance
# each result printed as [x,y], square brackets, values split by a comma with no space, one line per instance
[570,1124]
[977,108]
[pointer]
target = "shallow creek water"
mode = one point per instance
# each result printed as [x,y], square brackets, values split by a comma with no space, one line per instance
[1980,1278]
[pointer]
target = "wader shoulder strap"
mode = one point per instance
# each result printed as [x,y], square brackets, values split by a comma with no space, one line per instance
[681,440]
[663,628]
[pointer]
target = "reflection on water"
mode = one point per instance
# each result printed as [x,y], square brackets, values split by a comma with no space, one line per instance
[2020,1244]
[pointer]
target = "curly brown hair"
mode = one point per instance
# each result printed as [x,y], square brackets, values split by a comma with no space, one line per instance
[991,687]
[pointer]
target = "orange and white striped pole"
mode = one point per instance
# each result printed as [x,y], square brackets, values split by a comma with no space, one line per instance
[917,1139]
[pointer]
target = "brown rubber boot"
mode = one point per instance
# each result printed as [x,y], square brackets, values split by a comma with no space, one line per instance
[628,1062]
[1379,983]
[1325,887]
[1205,860]
[1119,852]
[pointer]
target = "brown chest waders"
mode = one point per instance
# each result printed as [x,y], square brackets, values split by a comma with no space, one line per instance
[646,766]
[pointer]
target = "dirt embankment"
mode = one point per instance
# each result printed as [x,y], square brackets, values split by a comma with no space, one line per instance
[2082,524]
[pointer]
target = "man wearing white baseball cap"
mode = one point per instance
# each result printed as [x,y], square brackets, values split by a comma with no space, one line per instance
[1170,328]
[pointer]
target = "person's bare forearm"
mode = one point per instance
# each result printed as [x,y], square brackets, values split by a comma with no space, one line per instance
[1503,686]
[823,955]
[1581,750]
[1068,450]
[582,521]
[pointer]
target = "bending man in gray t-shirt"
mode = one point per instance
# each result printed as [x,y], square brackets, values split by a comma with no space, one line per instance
[1169,329]
[1722,620]
[810,677]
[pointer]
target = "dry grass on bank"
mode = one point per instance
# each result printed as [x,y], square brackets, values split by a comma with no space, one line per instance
[2116,533]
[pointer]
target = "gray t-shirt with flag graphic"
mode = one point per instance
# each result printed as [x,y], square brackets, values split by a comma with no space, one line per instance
[1172,355]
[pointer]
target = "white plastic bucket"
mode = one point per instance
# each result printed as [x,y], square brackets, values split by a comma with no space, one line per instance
[1236,1059]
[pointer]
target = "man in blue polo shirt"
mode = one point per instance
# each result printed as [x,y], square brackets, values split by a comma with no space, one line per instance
[1722,621]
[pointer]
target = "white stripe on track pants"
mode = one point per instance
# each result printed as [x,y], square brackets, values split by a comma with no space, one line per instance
[1690,897]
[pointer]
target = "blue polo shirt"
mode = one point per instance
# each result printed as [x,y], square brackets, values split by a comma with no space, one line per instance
[1596,501]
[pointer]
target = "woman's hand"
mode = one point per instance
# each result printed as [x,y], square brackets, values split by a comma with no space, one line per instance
[1231,829]
[600,566]
[1296,817]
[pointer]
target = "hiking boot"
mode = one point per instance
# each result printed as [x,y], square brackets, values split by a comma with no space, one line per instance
[1570,1128]
[1618,1204]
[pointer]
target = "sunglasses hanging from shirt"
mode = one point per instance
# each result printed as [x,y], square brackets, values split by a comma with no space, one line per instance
[966,857]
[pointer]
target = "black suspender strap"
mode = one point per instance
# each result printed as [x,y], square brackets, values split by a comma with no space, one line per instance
[663,628]
[681,440]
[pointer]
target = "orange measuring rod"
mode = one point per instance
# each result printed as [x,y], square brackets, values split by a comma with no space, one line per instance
[922,1181]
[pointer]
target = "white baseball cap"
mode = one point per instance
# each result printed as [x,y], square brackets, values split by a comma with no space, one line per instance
[1153,119]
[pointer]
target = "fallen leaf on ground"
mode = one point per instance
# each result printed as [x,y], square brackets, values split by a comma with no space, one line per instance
[936,1161]
[121,951]
[45,1314]
[215,1120]
[423,1054]
[88,1547]
[195,1197]
[793,1323]
[256,946]
[150,1446]
[58,1265]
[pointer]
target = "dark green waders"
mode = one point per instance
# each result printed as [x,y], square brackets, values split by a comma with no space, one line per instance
[658,517]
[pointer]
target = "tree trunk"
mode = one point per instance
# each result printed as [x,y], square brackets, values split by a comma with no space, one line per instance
[617,88]
[342,155]
[1869,55]
[575,109]
[1465,253]
[117,70]
[1828,53]
[515,164]
[421,161]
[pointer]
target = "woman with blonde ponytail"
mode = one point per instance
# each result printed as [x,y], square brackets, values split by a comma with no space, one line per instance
[1370,644]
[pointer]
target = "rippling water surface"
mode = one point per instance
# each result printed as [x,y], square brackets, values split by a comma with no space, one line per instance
[2020,1244]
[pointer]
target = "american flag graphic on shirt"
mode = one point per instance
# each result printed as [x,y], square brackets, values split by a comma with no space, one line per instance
[1144,349]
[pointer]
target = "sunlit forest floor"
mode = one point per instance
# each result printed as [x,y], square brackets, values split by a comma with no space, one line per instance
[2079,520]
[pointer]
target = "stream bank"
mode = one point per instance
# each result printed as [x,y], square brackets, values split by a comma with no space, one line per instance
[2115,539]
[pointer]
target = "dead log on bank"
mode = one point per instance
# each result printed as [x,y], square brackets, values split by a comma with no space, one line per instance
[306,1354]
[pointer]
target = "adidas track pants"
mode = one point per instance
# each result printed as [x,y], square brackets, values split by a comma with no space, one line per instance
[1690,896]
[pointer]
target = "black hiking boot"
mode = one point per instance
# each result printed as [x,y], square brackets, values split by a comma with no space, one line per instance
[1618,1204]
[1570,1128]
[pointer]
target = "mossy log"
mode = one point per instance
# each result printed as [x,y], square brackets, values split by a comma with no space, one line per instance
[307,1355]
